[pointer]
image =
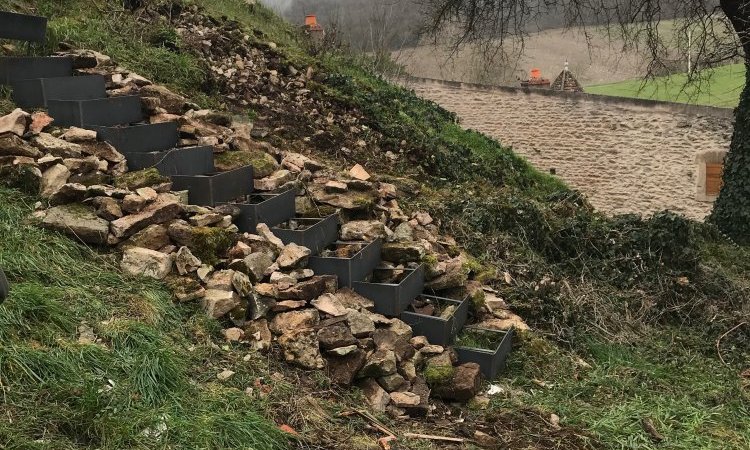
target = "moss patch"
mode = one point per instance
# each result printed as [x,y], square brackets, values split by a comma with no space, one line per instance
[263,163]
[208,243]
[436,375]
[140,178]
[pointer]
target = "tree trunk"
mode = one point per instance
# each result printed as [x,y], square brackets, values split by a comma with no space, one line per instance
[732,208]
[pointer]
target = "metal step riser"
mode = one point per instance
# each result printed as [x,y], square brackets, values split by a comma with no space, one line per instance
[26,68]
[155,137]
[22,27]
[36,93]
[212,189]
[179,161]
[103,112]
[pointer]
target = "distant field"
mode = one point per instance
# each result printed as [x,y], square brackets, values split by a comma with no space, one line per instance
[718,87]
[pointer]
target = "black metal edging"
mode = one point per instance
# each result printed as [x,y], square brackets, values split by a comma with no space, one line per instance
[22,27]
[177,161]
[271,209]
[106,112]
[391,299]
[35,93]
[319,234]
[349,270]
[438,330]
[27,67]
[491,362]
[213,188]
[152,137]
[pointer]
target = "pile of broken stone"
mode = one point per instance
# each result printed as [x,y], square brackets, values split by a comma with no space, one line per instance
[256,285]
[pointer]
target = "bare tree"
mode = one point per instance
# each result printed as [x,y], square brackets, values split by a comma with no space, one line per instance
[718,31]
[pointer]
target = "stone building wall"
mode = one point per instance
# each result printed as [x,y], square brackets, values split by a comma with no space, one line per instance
[626,155]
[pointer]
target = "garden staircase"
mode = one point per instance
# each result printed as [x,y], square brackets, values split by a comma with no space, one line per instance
[82,101]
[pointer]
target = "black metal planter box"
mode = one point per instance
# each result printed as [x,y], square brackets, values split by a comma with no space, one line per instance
[392,298]
[22,27]
[104,111]
[354,268]
[213,188]
[154,137]
[314,233]
[438,330]
[35,93]
[177,161]
[492,360]
[271,209]
[27,67]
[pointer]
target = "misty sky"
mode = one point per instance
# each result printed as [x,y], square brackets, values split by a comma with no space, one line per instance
[279,5]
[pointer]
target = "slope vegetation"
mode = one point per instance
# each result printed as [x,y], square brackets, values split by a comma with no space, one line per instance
[631,318]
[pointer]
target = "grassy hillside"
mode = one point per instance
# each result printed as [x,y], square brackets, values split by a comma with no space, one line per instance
[626,312]
[716,87]
[90,358]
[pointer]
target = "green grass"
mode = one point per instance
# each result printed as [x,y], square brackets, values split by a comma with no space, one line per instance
[693,399]
[58,393]
[713,87]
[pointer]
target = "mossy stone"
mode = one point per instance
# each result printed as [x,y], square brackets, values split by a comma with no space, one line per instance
[140,178]
[263,163]
[210,242]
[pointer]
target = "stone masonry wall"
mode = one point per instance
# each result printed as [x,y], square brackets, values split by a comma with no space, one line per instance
[627,156]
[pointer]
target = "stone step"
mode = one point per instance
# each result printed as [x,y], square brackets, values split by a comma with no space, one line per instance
[211,189]
[104,111]
[153,137]
[349,269]
[29,67]
[34,93]
[177,161]
[271,209]
[22,27]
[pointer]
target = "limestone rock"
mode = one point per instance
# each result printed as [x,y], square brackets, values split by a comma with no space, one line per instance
[108,209]
[455,275]
[292,255]
[56,147]
[268,235]
[165,208]
[53,179]
[153,237]
[466,381]
[303,290]
[12,145]
[218,302]
[362,230]
[172,103]
[393,382]
[358,172]
[295,320]
[233,334]
[300,347]
[376,396]
[405,399]
[360,323]
[352,300]
[78,221]
[204,220]
[335,336]
[259,335]
[241,284]
[78,135]
[402,253]
[186,262]
[379,364]
[329,304]
[146,262]
[274,181]
[297,162]
[507,321]
[257,264]
[221,279]
[39,121]
[16,122]
[342,370]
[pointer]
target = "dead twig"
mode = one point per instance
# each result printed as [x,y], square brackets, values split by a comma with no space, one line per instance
[718,341]
[369,417]
[435,438]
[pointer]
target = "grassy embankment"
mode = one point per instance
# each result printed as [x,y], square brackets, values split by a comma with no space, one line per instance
[610,292]
[714,87]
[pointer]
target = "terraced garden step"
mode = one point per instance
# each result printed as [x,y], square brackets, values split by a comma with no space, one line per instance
[364,257]
[35,93]
[271,209]
[154,137]
[211,189]
[313,233]
[392,298]
[22,27]
[177,161]
[28,67]
[105,111]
